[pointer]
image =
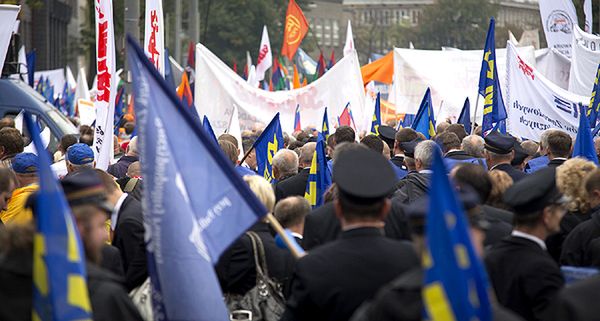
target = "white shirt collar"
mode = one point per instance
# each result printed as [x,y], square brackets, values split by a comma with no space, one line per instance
[559,158]
[530,237]
[426,171]
[114,216]
[399,155]
[297,235]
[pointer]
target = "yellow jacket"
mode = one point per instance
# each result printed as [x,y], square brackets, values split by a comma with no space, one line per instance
[15,212]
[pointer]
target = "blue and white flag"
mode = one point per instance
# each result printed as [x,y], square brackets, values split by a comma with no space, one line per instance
[196,203]
[267,144]
[489,86]
[584,142]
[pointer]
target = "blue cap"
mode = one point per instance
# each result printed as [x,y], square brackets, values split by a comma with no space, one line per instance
[80,154]
[25,163]
[499,143]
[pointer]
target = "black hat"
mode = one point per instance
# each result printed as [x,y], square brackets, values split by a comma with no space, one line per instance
[520,154]
[85,187]
[388,135]
[534,192]
[409,147]
[499,143]
[363,175]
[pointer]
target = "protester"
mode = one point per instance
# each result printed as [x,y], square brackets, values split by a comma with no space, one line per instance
[333,280]
[25,166]
[8,183]
[119,169]
[451,148]
[296,184]
[7,122]
[499,152]
[291,213]
[250,161]
[441,127]
[557,146]
[11,144]
[404,135]
[524,276]
[521,157]
[374,143]
[388,135]
[473,145]
[132,183]
[285,165]
[60,164]
[80,156]
[416,184]
[578,301]
[386,151]
[117,151]
[458,130]
[500,183]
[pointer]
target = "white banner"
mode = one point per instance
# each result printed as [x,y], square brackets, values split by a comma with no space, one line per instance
[534,104]
[558,20]
[584,62]
[107,84]
[265,56]
[8,16]
[56,78]
[82,90]
[154,35]
[452,75]
[555,66]
[218,90]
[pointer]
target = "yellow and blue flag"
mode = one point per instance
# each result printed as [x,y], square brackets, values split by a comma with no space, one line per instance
[584,142]
[456,285]
[489,86]
[465,116]
[424,121]
[319,178]
[594,108]
[59,277]
[376,121]
[267,144]
[325,125]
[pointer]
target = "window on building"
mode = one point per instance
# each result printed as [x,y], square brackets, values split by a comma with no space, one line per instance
[335,29]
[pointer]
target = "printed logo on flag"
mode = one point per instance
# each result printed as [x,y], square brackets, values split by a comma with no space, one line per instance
[559,21]
[293,30]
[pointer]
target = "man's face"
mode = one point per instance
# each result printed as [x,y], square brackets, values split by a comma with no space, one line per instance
[5,196]
[553,214]
[93,234]
[251,159]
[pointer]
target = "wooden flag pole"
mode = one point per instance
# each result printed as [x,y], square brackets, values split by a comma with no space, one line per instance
[475,115]
[291,244]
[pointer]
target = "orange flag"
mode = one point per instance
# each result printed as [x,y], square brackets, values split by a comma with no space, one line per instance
[296,79]
[296,28]
[184,90]
[304,82]
[380,70]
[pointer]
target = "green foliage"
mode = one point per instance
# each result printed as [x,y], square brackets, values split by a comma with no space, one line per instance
[595,13]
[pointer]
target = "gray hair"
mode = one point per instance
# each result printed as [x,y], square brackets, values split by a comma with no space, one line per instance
[424,152]
[306,153]
[544,137]
[286,162]
[291,211]
[473,145]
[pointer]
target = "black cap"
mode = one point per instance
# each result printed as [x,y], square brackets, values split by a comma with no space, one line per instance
[534,192]
[520,154]
[85,187]
[409,147]
[363,175]
[388,135]
[499,143]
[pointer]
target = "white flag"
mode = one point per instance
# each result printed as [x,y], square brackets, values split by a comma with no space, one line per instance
[154,35]
[23,63]
[252,77]
[558,19]
[349,45]
[70,78]
[8,16]
[235,131]
[107,84]
[82,90]
[265,56]
[587,10]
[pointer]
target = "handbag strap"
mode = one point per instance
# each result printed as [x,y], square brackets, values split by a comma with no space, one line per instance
[260,260]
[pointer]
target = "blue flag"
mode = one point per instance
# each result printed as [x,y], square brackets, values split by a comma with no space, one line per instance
[465,116]
[319,177]
[59,279]
[208,128]
[267,144]
[40,86]
[406,122]
[594,107]
[31,57]
[424,121]
[456,286]
[197,205]
[489,85]
[584,143]
[325,125]
[376,121]
[168,72]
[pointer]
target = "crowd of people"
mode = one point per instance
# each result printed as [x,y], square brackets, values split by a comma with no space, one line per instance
[531,209]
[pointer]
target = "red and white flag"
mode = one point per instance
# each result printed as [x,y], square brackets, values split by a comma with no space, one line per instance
[107,84]
[349,45]
[154,35]
[265,56]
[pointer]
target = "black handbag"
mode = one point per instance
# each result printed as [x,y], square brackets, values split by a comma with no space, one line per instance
[264,302]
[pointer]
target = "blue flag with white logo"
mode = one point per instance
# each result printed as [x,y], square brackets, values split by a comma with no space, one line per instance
[489,85]
[197,204]
[59,277]
[465,116]
[267,144]
[456,285]
[376,121]
[584,143]
[594,107]
[319,177]
[424,121]
[325,125]
[208,128]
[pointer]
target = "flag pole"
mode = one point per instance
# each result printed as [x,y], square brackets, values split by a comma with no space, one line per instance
[246,155]
[291,245]
[475,114]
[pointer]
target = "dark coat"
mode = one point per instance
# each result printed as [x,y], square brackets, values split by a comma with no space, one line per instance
[331,282]
[515,174]
[399,162]
[524,276]
[128,237]
[111,260]
[567,224]
[556,162]
[578,302]
[401,300]
[322,225]
[582,246]
[236,268]
[412,187]
[498,229]
[497,213]
[138,190]
[119,169]
[293,186]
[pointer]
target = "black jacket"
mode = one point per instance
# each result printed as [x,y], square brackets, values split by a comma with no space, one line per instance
[119,169]
[578,302]
[293,186]
[401,300]
[524,276]
[412,187]
[515,174]
[128,237]
[398,161]
[335,279]
[111,260]
[556,162]
[322,226]
[491,212]
[554,242]
[236,269]
[582,246]
[498,228]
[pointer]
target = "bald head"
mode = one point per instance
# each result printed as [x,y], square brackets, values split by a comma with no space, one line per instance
[285,163]
[134,170]
[473,145]
[306,154]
